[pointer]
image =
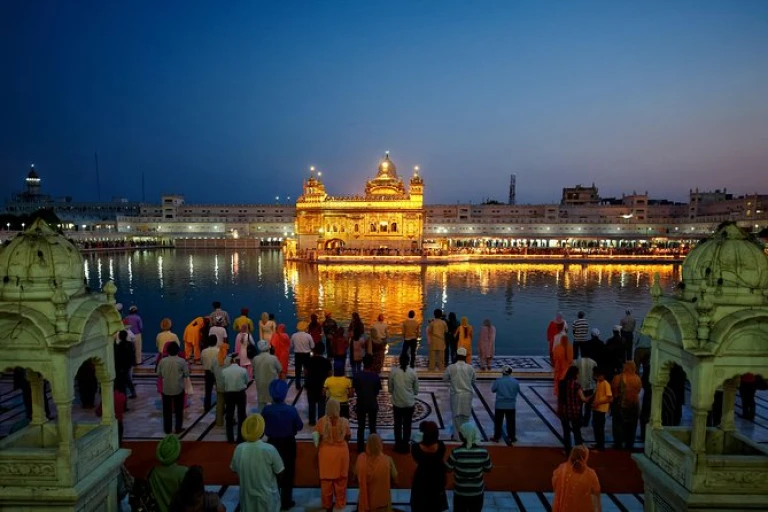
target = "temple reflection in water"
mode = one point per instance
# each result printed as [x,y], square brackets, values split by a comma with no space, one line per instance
[472,290]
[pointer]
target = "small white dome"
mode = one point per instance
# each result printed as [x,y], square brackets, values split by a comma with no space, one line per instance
[729,258]
[37,262]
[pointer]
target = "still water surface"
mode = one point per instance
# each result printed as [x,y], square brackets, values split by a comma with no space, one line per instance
[520,299]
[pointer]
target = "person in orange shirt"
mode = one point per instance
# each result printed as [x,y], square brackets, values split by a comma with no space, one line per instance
[576,486]
[282,345]
[193,335]
[562,357]
[626,387]
[554,328]
[331,436]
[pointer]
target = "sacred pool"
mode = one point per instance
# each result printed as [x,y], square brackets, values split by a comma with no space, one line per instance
[519,298]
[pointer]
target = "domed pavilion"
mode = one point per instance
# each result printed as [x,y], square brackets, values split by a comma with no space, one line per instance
[716,329]
[50,324]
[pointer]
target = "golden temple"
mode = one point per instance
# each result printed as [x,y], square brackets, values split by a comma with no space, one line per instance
[387,216]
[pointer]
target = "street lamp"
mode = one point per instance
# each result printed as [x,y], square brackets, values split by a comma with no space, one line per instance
[22,226]
[7,226]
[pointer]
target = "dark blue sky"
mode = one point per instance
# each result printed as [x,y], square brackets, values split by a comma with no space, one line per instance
[233,101]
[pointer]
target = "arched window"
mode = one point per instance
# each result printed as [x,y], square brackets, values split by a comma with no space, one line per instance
[335,228]
[343,229]
[383,226]
[357,228]
[373,227]
[393,227]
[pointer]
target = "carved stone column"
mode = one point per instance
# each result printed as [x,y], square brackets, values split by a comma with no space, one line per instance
[657,400]
[37,385]
[699,431]
[729,404]
[107,402]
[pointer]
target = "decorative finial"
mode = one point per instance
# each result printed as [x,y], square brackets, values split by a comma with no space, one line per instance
[416,170]
[110,290]
[656,291]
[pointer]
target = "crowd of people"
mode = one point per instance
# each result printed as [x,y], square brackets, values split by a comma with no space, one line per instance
[333,364]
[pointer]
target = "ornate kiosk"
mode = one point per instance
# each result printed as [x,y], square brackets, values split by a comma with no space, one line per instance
[50,323]
[716,329]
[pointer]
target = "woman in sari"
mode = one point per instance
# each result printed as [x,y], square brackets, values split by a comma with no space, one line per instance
[464,337]
[266,327]
[486,344]
[576,486]
[282,345]
[242,342]
[562,358]
[331,436]
[375,472]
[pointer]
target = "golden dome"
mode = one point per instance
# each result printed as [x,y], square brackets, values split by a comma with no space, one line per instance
[387,167]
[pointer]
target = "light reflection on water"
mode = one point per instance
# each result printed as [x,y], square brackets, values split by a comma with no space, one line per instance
[520,299]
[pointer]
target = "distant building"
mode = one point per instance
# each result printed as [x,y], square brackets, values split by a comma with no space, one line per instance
[392,214]
[82,216]
[579,195]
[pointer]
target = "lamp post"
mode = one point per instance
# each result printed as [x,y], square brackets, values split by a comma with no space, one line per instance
[7,226]
[22,226]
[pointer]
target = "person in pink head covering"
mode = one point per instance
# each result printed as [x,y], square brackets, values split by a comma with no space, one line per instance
[243,340]
[282,345]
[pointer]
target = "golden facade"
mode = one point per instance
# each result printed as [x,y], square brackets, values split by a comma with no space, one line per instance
[386,216]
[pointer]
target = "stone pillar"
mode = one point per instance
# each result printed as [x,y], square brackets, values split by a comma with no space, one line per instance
[699,431]
[657,399]
[729,404]
[37,385]
[107,402]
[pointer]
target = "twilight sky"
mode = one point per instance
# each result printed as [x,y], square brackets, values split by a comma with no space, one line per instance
[233,101]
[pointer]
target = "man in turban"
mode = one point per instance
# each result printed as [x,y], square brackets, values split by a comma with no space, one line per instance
[266,368]
[461,379]
[282,424]
[166,478]
[235,383]
[258,466]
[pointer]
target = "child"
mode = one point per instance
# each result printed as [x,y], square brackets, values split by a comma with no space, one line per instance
[601,401]
[339,387]
[358,351]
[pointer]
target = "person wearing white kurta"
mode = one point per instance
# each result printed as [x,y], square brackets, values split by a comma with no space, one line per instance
[461,379]
[266,368]
[257,465]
